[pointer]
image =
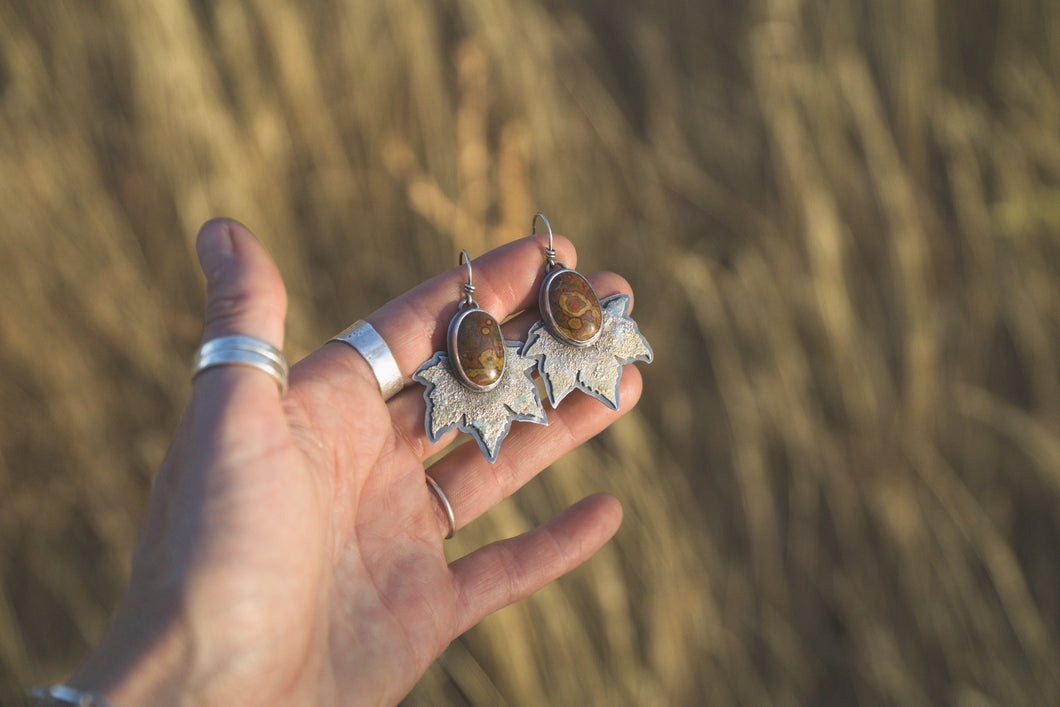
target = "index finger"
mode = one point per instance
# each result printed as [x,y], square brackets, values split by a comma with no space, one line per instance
[414,325]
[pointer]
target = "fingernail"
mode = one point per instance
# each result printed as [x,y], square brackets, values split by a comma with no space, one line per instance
[214,246]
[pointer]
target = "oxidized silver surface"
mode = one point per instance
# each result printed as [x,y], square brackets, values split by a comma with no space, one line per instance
[596,369]
[486,416]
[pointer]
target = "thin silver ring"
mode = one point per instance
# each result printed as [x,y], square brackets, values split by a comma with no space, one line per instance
[445,504]
[366,340]
[242,351]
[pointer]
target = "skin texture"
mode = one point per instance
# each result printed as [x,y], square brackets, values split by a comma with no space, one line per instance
[292,551]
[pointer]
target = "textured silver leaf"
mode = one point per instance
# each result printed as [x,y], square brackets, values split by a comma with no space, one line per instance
[486,416]
[596,369]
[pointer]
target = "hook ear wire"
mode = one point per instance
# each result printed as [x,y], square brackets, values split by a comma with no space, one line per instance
[466,259]
[533,226]
[469,288]
[550,252]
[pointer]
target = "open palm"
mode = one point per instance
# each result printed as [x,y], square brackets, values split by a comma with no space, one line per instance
[292,551]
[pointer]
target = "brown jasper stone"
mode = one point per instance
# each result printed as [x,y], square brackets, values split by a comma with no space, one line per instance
[479,348]
[573,308]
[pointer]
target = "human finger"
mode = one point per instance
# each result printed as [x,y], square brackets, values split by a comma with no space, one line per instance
[414,325]
[245,296]
[473,485]
[407,408]
[506,571]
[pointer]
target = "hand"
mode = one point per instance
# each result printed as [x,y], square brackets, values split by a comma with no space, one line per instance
[292,551]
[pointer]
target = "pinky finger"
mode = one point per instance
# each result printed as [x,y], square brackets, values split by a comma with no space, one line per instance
[506,571]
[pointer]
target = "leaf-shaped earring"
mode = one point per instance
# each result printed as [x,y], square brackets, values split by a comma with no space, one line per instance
[581,341]
[482,383]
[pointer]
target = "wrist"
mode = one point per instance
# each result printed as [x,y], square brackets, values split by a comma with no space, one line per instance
[138,662]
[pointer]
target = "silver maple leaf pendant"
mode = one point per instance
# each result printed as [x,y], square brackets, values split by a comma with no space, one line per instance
[581,342]
[595,369]
[482,383]
[485,415]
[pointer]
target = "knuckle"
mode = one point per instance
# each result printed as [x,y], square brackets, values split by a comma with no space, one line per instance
[236,304]
[228,307]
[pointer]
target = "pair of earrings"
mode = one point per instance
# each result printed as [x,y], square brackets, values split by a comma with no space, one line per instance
[482,383]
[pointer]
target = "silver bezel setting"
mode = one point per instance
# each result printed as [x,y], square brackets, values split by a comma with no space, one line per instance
[454,360]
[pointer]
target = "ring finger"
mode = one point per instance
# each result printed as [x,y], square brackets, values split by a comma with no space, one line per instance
[472,485]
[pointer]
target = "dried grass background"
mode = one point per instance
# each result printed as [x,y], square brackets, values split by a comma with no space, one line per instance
[841,222]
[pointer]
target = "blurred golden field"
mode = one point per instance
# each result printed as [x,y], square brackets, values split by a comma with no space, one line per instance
[842,223]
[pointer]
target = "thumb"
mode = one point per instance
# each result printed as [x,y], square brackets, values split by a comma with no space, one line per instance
[244,292]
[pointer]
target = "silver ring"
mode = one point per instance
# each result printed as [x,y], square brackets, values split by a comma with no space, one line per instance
[445,504]
[242,351]
[362,336]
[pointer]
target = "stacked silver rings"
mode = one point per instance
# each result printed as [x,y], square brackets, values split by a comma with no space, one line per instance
[243,351]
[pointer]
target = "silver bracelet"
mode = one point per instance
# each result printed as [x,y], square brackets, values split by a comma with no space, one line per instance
[66,695]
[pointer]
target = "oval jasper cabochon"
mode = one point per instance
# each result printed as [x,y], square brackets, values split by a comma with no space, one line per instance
[479,353]
[573,310]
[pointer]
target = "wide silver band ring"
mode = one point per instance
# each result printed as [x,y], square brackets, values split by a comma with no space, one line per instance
[242,351]
[445,504]
[362,336]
